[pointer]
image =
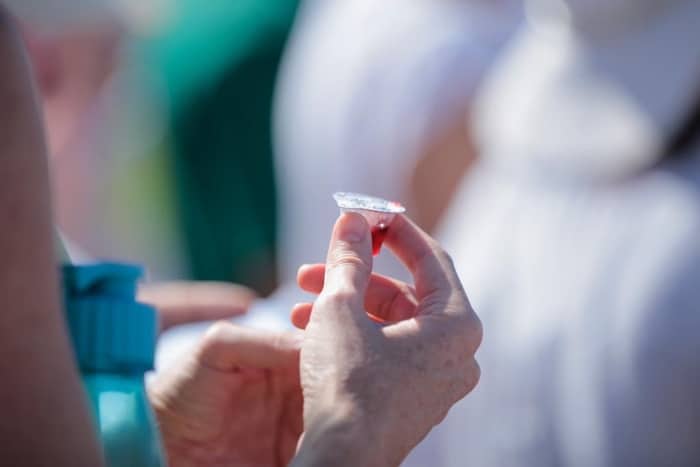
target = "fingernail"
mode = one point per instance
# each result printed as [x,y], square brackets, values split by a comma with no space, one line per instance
[352,228]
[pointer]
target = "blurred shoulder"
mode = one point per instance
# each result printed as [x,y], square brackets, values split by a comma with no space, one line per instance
[667,206]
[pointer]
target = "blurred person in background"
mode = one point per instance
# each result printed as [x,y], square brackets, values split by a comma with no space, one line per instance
[373,97]
[78,58]
[73,56]
[235,400]
[135,95]
[578,232]
[216,63]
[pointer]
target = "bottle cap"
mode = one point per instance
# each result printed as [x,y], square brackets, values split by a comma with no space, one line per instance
[111,331]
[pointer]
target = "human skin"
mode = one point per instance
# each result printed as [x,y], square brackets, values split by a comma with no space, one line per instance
[373,392]
[71,68]
[43,397]
[446,157]
[45,416]
[370,393]
[182,302]
[42,394]
[235,401]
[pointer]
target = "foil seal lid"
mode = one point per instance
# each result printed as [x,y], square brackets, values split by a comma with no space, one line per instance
[357,201]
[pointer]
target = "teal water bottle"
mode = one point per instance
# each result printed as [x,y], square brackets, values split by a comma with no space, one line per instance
[114,340]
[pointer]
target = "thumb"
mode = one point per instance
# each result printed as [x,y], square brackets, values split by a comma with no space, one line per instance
[349,261]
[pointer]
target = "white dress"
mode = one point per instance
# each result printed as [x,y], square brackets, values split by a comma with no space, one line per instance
[581,253]
[363,85]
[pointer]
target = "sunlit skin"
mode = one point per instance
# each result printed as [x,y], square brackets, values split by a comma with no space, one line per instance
[237,400]
[349,364]
[41,390]
[182,302]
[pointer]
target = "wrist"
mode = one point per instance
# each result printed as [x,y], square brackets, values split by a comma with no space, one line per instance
[178,450]
[340,434]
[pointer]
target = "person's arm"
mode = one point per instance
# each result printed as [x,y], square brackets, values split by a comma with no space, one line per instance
[447,157]
[45,418]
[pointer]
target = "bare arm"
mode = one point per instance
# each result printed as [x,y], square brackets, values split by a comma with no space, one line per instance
[447,157]
[45,420]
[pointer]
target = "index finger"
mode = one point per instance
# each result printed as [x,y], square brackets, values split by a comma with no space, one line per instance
[182,302]
[227,346]
[431,267]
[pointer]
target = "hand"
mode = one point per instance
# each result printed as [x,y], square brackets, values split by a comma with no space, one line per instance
[236,401]
[188,302]
[372,392]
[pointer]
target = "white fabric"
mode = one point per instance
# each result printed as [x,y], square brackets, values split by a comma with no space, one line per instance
[558,87]
[581,258]
[605,18]
[363,85]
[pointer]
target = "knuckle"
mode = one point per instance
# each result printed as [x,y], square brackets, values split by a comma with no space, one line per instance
[472,376]
[468,331]
[445,257]
[337,299]
[478,335]
[278,342]
[217,331]
[441,415]
[466,380]
[211,342]
[284,341]
[440,253]
[348,258]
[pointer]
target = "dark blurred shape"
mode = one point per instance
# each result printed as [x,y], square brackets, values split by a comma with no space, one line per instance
[576,237]
[685,136]
[374,98]
[221,134]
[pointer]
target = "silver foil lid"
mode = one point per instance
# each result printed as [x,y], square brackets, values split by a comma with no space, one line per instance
[357,201]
